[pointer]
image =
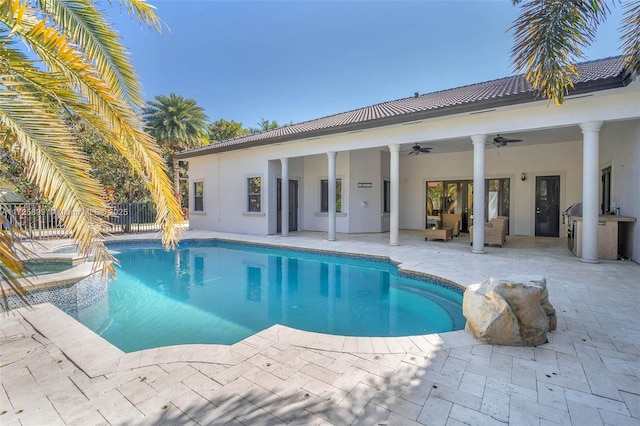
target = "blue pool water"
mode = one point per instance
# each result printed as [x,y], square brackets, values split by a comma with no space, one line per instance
[217,292]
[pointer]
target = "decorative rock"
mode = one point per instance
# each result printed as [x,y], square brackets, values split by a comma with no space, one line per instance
[509,312]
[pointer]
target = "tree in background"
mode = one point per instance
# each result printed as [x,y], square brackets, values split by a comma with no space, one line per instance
[550,35]
[177,124]
[75,63]
[12,176]
[121,183]
[107,166]
[222,129]
[264,125]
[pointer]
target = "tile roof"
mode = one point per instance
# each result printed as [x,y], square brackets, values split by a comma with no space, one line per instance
[592,76]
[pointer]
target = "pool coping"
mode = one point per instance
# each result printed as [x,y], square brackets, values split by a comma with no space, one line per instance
[97,357]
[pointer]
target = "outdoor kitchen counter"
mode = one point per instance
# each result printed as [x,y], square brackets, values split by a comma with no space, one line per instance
[609,236]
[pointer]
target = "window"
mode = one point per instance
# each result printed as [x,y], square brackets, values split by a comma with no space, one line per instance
[386,205]
[254,186]
[434,198]
[496,198]
[324,195]
[198,196]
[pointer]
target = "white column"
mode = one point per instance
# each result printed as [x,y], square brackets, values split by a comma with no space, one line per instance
[394,201]
[478,192]
[331,155]
[590,189]
[284,197]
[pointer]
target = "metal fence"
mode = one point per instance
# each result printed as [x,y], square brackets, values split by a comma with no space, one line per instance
[36,221]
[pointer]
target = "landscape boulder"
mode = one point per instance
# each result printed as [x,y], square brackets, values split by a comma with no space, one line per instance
[509,311]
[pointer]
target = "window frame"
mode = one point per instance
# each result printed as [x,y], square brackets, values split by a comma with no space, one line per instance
[196,197]
[324,183]
[250,206]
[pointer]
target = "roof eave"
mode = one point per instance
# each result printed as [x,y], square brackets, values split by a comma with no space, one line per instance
[530,96]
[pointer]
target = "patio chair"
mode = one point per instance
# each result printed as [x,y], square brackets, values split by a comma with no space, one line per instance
[494,232]
[452,220]
[505,229]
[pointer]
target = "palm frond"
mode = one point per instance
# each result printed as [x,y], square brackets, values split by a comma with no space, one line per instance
[176,122]
[631,34]
[86,27]
[143,12]
[549,38]
[127,135]
[16,69]
[57,166]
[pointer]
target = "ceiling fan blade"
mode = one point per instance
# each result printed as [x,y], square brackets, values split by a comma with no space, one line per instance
[501,140]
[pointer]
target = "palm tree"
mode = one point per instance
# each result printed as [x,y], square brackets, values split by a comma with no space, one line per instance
[177,124]
[550,35]
[264,126]
[75,64]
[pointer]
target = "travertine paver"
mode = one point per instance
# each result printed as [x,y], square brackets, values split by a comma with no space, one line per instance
[55,372]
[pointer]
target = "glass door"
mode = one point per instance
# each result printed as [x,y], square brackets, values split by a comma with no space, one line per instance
[547,206]
[457,197]
[450,197]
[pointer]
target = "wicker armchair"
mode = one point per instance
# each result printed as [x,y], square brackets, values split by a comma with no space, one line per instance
[505,229]
[452,220]
[494,232]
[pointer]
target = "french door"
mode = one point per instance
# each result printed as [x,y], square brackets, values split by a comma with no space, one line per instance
[457,197]
[293,205]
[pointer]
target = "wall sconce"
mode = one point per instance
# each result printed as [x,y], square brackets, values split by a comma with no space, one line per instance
[523,177]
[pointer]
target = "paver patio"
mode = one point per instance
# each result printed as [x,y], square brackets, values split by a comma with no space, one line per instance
[55,371]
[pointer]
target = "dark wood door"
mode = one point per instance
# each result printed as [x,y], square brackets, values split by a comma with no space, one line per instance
[547,206]
[293,205]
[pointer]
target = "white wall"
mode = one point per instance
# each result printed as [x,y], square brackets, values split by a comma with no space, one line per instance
[620,149]
[316,169]
[363,169]
[225,192]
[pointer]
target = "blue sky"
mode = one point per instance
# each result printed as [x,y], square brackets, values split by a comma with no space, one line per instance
[300,60]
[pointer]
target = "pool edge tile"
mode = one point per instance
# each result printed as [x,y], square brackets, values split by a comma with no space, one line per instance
[95,356]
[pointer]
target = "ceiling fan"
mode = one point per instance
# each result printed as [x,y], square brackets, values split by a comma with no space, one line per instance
[417,149]
[500,141]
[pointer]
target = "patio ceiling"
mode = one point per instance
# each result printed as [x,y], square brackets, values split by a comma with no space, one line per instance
[536,137]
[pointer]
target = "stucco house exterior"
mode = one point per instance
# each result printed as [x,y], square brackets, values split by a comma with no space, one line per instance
[360,171]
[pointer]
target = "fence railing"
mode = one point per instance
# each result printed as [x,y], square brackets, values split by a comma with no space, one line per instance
[36,221]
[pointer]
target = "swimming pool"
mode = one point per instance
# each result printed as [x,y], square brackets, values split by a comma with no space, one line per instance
[219,292]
